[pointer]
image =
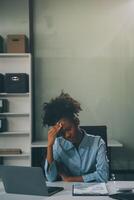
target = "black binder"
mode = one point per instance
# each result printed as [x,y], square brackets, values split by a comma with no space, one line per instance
[1,82]
[16,83]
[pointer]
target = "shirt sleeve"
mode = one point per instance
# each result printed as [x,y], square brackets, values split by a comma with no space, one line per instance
[51,169]
[102,168]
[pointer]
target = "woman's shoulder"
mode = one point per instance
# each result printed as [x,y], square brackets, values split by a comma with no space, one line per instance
[93,139]
[90,136]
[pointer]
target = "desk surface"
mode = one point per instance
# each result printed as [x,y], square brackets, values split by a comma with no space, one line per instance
[111,143]
[66,194]
[114,143]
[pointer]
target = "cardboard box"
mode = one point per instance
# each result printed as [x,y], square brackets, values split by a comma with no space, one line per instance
[17,44]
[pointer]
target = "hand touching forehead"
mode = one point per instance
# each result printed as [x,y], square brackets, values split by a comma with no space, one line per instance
[65,123]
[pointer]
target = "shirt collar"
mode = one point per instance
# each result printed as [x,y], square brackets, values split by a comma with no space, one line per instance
[84,140]
[67,145]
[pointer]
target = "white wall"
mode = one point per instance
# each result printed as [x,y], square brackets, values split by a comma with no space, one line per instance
[87,48]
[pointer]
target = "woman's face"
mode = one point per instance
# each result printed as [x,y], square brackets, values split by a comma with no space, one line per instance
[69,130]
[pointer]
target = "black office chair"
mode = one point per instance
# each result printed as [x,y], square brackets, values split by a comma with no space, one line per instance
[97,130]
[101,131]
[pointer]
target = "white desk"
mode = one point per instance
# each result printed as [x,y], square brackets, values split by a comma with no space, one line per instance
[114,143]
[66,194]
[110,143]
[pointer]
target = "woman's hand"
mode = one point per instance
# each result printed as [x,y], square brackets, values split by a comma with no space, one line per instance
[52,133]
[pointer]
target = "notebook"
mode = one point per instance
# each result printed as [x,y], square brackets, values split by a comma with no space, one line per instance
[26,180]
[89,189]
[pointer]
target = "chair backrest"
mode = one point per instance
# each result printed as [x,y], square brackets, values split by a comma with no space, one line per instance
[97,130]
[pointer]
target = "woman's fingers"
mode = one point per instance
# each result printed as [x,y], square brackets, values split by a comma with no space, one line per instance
[52,133]
[55,129]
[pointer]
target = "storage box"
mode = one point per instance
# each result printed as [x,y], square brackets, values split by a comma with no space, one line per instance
[1,82]
[17,44]
[16,83]
[4,105]
[1,44]
[3,124]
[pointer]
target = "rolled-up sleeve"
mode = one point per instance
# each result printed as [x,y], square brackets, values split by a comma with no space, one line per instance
[102,167]
[51,169]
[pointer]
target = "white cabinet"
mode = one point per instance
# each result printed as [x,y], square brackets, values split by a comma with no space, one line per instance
[19,116]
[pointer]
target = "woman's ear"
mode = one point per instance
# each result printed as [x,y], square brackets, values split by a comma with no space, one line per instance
[76,121]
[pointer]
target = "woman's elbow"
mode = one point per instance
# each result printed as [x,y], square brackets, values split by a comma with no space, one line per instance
[103,177]
[51,178]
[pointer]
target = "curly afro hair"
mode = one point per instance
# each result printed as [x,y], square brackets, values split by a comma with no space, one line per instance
[63,106]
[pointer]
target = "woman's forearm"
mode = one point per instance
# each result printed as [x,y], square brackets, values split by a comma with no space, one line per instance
[72,178]
[50,154]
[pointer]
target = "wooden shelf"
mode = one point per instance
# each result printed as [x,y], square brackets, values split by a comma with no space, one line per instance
[114,143]
[111,143]
[14,114]
[14,94]
[15,155]
[15,55]
[16,133]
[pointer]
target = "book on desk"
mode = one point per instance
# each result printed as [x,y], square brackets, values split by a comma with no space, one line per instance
[101,189]
[90,189]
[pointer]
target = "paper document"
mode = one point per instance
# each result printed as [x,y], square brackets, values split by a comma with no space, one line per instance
[89,189]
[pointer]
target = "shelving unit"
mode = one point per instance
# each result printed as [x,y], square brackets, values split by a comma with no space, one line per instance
[19,117]
[14,114]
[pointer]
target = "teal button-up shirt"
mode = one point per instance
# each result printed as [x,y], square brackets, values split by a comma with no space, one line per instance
[89,160]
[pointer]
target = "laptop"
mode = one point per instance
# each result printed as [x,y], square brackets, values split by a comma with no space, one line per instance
[26,180]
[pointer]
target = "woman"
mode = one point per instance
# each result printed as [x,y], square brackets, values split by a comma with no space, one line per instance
[72,154]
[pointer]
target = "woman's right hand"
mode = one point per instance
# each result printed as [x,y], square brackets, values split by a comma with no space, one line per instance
[52,133]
